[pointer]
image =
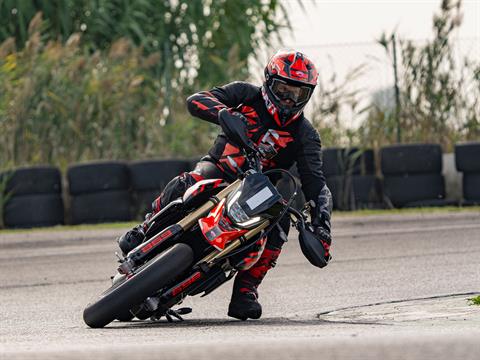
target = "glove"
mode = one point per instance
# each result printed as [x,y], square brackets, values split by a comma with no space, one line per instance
[325,238]
[234,125]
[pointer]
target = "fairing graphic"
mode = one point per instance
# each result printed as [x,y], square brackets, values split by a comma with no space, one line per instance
[217,228]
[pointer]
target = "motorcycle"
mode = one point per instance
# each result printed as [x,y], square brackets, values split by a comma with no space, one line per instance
[200,241]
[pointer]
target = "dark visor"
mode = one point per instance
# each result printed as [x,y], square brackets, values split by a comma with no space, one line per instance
[284,91]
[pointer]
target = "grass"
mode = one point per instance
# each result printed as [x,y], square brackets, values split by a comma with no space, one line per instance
[122,225]
[475,300]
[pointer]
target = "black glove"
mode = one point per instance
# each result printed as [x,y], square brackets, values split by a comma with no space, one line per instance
[234,125]
[131,239]
[321,219]
[325,238]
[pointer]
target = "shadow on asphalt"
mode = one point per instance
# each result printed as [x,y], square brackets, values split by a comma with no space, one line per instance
[274,321]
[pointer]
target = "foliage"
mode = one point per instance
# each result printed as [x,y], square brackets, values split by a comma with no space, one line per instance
[335,104]
[475,300]
[439,96]
[201,39]
[110,89]
[60,105]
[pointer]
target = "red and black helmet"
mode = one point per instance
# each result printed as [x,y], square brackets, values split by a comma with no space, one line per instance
[290,78]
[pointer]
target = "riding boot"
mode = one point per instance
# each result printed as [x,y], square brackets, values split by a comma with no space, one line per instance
[244,303]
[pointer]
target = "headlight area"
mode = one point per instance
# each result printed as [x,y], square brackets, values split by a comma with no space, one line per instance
[238,215]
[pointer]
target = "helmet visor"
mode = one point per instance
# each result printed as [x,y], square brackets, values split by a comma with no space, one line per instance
[283,91]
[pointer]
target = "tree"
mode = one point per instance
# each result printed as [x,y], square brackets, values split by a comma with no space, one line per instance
[197,40]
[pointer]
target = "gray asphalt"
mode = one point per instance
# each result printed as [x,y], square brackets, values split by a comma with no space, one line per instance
[396,289]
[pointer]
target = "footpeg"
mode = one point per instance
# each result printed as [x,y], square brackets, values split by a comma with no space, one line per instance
[171,314]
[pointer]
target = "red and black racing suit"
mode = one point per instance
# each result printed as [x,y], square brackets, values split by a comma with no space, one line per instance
[297,143]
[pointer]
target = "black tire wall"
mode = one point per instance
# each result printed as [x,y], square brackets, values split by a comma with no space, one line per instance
[467,157]
[34,180]
[97,176]
[101,206]
[35,197]
[99,192]
[26,211]
[405,189]
[148,178]
[471,186]
[411,159]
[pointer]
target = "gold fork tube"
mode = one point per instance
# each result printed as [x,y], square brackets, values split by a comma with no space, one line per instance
[210,258]
[188,221]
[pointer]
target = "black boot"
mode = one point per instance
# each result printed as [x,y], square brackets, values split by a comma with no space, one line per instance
[131,239]
[244,303]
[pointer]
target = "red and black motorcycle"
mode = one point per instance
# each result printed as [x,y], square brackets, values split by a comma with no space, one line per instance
[198,242]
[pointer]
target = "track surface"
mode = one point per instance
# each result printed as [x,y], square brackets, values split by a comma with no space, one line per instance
[397,289]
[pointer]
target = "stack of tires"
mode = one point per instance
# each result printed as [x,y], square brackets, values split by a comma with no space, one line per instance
[148,178]
[34,197]
[99,192]
[467,160]
[412,175]
[350,174]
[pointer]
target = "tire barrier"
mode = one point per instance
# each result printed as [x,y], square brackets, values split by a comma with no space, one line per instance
[471,187]
[109,191]
[467,160]
[411,159]
[419,190]
[99,192]
[341,161]
[97,176]
[101,206]
[148,178]
[467,157]
[350,176]
[34,180]
[142,202]
[412,175]
[27,211]
[355,192]
[34,197]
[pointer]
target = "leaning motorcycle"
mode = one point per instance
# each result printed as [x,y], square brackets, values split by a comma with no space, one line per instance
[200,241]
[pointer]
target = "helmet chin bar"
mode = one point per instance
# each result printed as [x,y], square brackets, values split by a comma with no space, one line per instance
[281,115]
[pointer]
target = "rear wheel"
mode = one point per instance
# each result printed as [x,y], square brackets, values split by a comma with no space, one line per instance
[157,273]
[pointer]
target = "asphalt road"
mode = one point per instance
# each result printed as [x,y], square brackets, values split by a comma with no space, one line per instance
[396,289]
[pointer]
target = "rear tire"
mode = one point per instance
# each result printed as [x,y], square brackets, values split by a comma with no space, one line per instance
[156,274]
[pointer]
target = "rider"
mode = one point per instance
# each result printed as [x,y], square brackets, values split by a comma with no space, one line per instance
[274,116]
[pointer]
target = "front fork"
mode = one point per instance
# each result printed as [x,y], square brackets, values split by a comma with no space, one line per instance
[147,249]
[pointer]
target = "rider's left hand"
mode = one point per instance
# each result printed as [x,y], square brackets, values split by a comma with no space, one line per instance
[325,238]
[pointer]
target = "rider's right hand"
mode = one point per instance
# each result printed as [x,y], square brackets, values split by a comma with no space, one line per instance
[235,115]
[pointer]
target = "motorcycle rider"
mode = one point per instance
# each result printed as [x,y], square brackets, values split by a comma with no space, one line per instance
[274,116]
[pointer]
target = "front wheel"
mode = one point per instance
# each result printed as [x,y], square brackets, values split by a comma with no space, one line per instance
[153,276]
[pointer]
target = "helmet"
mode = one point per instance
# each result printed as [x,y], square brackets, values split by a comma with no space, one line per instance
[290,78]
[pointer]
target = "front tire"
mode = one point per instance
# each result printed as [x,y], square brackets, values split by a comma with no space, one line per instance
[156,274]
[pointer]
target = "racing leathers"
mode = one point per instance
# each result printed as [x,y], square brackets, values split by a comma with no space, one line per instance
[298,142]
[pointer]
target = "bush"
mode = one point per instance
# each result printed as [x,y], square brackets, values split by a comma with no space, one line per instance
[61,105]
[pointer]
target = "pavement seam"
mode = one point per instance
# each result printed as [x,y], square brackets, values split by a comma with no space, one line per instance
[397,301]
